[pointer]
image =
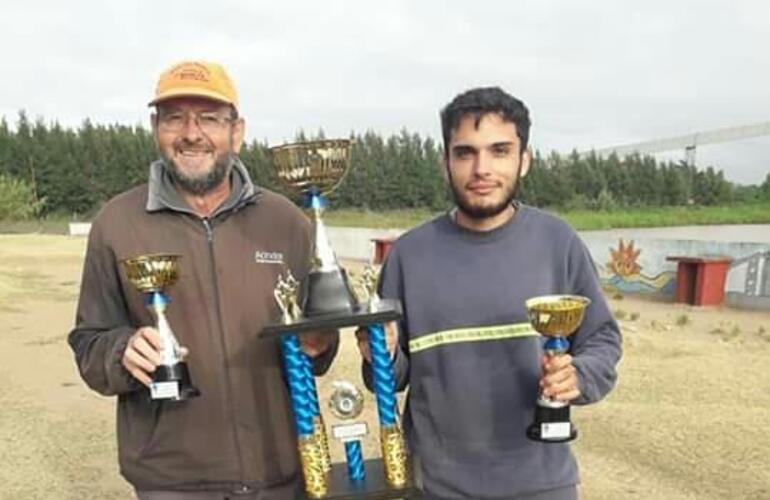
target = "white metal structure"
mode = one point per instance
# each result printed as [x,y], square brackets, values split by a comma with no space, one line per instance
[688,142]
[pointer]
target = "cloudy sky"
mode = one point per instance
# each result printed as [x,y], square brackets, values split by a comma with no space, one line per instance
[594,73]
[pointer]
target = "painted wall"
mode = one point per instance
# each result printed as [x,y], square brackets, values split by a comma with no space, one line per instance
[639,265]
[631,261]
[630,264]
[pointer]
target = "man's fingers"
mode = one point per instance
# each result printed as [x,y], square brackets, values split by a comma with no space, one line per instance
[362,336]
[562,385]
[142,346]
[365,352]
[560,376]
[392,330]
[555,363]
[310,348]
[567,395]
[151,336]
[560,379]
[565,390]
[316,343]
[391,340]
[140,376]
[141,356]
[132,359]
[138,366]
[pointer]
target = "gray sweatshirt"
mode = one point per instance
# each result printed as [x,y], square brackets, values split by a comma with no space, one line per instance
[471,360]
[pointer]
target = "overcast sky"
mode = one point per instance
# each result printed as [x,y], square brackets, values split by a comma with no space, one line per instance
[594,73]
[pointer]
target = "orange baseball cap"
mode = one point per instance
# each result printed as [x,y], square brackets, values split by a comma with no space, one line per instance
[196,79]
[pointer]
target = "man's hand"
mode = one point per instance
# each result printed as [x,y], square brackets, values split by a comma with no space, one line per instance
[142,354]
[391,339]
[316,343]
[560,380]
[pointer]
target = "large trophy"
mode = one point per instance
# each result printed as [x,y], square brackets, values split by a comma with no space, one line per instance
[556,317]
[313,169]
[152,275]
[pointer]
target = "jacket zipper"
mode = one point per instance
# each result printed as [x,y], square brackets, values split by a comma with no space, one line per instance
[228,383]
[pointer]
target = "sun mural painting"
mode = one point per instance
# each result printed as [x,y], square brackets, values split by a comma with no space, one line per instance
[625,273]
[623,260]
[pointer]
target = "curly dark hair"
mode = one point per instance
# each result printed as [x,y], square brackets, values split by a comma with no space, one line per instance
[481,101]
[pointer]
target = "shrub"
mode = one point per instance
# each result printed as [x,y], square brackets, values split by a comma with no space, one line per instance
[17,200]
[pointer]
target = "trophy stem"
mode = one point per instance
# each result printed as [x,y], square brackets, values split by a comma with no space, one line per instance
[328,288]
[355,461]
[554,346]
[324,259]
[172,378]
[552,417]
[170,346]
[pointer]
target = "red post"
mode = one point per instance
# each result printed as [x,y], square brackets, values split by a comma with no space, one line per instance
[701,281]
[381,249]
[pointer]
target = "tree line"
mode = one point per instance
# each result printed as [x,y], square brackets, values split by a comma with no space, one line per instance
[48,169]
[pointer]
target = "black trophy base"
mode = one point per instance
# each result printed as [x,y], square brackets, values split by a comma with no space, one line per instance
[328,292]
[552,425]
[172,382]
[372,487]
[360,315]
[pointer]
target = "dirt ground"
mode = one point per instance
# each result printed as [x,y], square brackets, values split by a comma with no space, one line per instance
[690,418]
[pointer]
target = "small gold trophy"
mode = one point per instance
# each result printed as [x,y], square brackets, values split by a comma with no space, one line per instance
[314,169]
[556,317]
[152,275]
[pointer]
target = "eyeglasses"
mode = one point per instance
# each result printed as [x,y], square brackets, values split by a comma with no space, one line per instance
[209,122]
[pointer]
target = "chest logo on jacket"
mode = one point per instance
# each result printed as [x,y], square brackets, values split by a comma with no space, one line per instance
[262,257]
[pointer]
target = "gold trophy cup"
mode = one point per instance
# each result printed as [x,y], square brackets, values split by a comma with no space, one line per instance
[152,275]
[556,317]
[315,169]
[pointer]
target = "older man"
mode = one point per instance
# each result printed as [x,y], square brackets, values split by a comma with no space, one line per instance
[236,438]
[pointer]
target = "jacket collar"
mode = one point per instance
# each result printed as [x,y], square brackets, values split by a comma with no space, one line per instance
[162,194]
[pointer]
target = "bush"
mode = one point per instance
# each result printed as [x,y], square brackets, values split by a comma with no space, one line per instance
[18,200]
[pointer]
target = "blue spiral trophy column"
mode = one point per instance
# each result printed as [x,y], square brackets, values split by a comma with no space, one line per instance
[312,170]
[304,400]
[556,317]
[152,274]
[392,444]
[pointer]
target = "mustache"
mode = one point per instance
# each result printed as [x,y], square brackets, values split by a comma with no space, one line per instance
[477,182]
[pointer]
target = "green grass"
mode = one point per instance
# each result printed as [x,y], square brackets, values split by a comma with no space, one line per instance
[49,225]
[756,213]
[385,219]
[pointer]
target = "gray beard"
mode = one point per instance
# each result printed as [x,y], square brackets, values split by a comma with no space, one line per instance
[205,184]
